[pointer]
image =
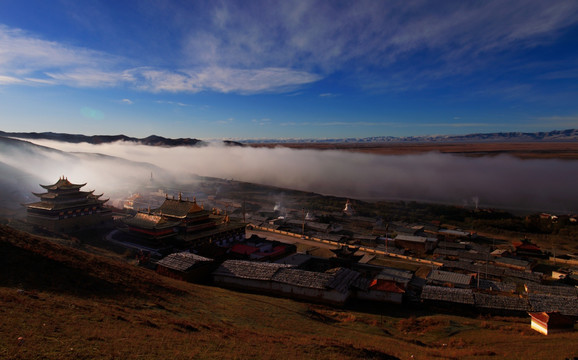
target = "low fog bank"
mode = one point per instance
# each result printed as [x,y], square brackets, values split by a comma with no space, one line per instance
[24,166]
[501,181]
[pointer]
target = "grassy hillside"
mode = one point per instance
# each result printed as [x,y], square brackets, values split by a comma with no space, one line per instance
[59,302]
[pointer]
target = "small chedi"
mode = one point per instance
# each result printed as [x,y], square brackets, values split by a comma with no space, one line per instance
[64,208]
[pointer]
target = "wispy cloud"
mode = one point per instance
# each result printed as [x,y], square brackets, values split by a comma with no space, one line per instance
[28,60]
[172,103]
[223,80]
[560,121]
[261,122]
[225,122]
[278,47]
[127,101]
[336,123]
[451,125]
[336,36]
[562,74]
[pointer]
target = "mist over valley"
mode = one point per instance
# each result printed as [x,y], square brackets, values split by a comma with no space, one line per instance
[119,168]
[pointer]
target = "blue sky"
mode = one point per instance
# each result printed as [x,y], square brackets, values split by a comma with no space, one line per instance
[288,69]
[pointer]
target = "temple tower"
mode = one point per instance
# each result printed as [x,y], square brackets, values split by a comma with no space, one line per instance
[64,208]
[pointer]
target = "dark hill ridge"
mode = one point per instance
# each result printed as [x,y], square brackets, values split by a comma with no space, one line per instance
[34,263]
[152,140]
[59,302]
[568,135]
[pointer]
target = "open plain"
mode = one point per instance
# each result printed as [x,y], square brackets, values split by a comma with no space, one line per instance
[523,150]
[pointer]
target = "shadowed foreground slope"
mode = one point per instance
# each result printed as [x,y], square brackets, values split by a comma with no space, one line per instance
[62,302]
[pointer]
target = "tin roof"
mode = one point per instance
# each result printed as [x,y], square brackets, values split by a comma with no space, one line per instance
[339,279]
[411,238]
[440,293]
[399,275]
[302,278]
[249,269]
[566,305]
[449,277]
[552,290]
[182,261]
[511,261]
[501,302]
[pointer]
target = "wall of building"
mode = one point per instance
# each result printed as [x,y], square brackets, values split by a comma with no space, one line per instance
[71,223]
[384,296]
[287,290]
[306,293]
[539,327]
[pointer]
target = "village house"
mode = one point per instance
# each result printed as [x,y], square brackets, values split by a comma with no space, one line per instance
[512,263]
[381,290]
[332,287]
[401,277]
[446,295]
[416,244]
[528,249]
[453,235]
[551,322]
[449,279]
[185,266]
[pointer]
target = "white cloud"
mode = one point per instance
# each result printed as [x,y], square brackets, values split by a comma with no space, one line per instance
[87,78]
[31,60]
[329,36]
[564,122]
[172,103]
[265,47]
[261,122]
[9,80]
[127,101]
[25,59]
[217,79]
[225,122]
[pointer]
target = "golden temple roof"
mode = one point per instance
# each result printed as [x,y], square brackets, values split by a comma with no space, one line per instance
[63,184]
[150,221]
[179,208]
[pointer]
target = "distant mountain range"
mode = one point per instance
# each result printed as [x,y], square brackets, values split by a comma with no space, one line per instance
[154,140]
[556,135]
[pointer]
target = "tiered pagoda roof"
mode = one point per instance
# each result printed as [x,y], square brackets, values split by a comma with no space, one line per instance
[63,184]
[65,195]
[65,208]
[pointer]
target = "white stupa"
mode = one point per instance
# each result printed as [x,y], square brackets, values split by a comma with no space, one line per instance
[309,216]
[348,210]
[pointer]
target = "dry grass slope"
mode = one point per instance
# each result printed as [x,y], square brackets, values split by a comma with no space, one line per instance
[58,302]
